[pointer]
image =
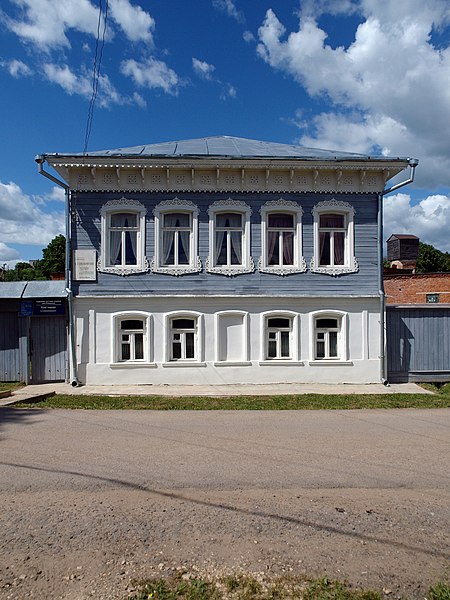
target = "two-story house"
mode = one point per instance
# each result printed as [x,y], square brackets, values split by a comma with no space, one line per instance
[225,260]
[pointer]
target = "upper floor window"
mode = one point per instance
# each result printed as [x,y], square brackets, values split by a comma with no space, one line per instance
[176,235]
[333,238]
[281,238]
[229,238]
[123,237]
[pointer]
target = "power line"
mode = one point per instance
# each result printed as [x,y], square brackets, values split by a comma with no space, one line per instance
[99,45]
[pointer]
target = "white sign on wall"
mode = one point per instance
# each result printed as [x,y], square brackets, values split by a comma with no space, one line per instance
[85,265]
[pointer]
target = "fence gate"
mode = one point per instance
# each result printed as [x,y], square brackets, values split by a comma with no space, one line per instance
[48,348]
[418,343]
[11,364]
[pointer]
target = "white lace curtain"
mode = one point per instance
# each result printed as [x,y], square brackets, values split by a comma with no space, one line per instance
[229,235]
[173,234]
[121,235]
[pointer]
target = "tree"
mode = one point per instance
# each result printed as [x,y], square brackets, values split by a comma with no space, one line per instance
[54,257]
[432,260]
[53,261]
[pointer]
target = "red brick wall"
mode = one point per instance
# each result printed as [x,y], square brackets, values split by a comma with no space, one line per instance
[412,289]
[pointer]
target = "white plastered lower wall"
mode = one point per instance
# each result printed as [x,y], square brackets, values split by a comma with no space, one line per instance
[231,341]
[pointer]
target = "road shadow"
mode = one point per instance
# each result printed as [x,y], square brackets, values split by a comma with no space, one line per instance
[9,415]
[330,529]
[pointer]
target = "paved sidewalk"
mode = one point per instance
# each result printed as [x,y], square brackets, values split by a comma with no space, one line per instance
[35,391]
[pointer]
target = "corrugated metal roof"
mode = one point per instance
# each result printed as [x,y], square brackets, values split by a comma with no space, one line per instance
[226,146]
[32,289]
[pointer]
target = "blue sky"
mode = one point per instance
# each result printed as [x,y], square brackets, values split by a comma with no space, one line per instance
[356,75]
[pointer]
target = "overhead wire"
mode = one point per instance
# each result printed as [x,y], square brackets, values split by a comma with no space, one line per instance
[99,45]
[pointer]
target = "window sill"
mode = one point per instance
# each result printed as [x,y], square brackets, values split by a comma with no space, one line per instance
[334,271]
[334,363]
[230,363]
[281,362]
[231,270]
[177,271]
[132,365]
[282,270]
[124,270]
[181,363]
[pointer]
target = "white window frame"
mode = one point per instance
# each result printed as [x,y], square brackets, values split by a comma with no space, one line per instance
[247,265]
[122,205]
[116,338]
[176,206]
[294,338]
[198,339]
[342,336]
[288,207]
[350,263]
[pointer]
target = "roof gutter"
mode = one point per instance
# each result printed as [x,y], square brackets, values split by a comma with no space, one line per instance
[413,162]
[40,160]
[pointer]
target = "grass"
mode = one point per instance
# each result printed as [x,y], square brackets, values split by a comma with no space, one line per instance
[247,587]
[291,402]
[5,386]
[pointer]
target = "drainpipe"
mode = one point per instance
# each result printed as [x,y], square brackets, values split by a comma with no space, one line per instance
[40,159]
[413,162]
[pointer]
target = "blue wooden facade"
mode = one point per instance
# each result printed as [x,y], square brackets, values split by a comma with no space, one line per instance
[306,318]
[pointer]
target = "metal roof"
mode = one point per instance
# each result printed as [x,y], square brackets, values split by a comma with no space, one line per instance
[226,146]
[32,289]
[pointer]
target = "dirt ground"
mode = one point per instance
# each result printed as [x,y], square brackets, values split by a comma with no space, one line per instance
[67,532]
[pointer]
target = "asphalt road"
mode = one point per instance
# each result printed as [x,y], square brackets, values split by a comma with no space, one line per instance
[41,450]
[363,494]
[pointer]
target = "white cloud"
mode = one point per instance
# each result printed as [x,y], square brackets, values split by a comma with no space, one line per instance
[248,37]
[388,89]
[429,219]
[81,85]
[46,22]
[16,68]
[151,73]
[229,7]
[137,24]
[7,254]
[23,221]
[203,69]
[229,91]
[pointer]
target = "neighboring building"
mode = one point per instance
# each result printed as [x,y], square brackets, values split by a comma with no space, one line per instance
[403,251]
[226,260]
[426,288]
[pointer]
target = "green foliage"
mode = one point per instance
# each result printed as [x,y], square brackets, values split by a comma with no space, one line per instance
[441,591]
[326,589]
[53,261]
[54,256]
[178,589]
[432,260]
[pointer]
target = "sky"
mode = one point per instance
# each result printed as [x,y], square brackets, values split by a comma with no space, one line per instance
[366,76]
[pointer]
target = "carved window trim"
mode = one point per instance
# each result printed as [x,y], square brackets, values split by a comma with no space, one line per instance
[128,206]
[171,206]
[286,207]
[247,265]
[350,263]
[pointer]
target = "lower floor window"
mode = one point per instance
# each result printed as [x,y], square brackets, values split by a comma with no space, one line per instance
[132,339]
[278,337]
[327,338]
[183,339]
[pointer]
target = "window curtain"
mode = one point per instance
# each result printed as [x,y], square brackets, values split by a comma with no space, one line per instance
[339,245]
[225,223]
[168,250]
[283,222]
[115,239]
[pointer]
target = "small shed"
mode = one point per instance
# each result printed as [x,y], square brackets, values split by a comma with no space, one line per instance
[33,331]
[402,247]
